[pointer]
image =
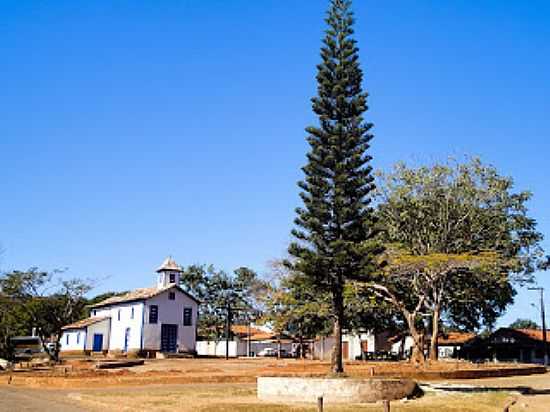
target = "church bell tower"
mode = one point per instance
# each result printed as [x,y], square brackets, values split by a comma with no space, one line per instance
[168,273]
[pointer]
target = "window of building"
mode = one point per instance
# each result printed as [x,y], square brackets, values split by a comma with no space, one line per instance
[78,338]
[172,295]
[95,312]
[67,339]
[153,314]
[187,316]
[132,313]
[172,278]
[118,316]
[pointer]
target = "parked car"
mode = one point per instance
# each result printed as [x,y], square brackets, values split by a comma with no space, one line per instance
[27,347]
[378,356]
[268,352]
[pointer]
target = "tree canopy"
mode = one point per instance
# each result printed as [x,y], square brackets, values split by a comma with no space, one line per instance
[40,300]
[222,295]
[459,238]
[524,324]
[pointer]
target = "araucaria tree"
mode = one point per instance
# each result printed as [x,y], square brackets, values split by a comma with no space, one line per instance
[335,227]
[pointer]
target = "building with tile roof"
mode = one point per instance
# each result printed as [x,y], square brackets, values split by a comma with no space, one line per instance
[162,318]
[511,345]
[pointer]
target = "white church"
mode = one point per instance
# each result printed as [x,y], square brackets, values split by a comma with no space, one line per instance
[145,321]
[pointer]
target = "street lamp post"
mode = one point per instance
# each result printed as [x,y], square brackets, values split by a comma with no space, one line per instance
[544,341]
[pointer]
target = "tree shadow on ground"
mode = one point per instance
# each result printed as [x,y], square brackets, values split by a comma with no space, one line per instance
[524,390]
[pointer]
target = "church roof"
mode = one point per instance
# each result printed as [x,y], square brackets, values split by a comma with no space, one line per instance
[139,294]
[85,322]
[169,264]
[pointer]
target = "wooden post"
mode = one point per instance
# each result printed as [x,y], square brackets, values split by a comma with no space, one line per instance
[509,404]
[386,405]
[320,404]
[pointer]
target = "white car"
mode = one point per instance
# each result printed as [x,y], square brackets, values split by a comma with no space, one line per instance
[268,352]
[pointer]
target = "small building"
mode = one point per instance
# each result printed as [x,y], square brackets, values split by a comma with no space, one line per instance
[162,318]
[247,341]
[355,346]
[508,345]
[449,344]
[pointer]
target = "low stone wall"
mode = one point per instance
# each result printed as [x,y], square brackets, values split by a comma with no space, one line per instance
[334,390]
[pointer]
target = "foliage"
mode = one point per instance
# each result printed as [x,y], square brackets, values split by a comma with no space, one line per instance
[335,226]
[217,291]
[43,301]
[524,324]
[459,239]
[294,306]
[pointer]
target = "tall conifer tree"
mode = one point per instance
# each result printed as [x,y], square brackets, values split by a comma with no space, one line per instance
[335,228]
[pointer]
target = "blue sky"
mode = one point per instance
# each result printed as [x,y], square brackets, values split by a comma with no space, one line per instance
[133,130]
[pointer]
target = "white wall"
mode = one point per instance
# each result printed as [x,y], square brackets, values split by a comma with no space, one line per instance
[76,339]
[407,346]
[118,327]
[102,328]
[170,312]
[354,344]
[212,348]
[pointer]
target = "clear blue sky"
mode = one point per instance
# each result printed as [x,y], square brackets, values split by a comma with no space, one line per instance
[133,130]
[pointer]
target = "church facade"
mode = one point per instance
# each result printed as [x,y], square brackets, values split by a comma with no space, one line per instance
[162,318]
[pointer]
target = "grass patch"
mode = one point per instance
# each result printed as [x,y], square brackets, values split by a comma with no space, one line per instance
[242,398]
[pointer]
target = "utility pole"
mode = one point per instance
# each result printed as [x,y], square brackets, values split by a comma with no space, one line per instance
[544,341]
[248,340]
[227,330]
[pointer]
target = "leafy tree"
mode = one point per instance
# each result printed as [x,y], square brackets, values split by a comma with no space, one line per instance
[459,238]
[524,324]
[335,227]
[294,306]
[44,302]
[222,296]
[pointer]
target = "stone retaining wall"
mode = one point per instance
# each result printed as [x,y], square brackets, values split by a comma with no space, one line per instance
[334,390]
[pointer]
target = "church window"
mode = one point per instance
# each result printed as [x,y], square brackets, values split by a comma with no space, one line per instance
[153,314]
[187,316]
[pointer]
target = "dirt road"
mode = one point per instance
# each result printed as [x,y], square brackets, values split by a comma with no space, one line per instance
[22,400]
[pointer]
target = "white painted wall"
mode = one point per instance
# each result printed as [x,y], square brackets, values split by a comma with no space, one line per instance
[118,327]
[73,339]
[170,312]
[354,344]
[407,346]
[212,348]
[104,328]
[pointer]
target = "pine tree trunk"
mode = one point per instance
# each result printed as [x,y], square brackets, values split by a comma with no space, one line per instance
[337,364]
[434,349]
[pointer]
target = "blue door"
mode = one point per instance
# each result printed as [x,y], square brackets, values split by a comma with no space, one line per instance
[98,342]
[168,338]
[126,339]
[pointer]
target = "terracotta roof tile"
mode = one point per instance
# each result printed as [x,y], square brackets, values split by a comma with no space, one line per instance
[138,294]
[454,338]
[534,334]
[85,322]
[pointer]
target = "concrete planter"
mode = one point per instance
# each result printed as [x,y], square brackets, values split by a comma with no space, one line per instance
[334,390]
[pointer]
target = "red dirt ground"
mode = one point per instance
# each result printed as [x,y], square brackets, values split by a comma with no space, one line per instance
[82,373]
